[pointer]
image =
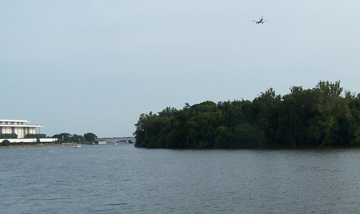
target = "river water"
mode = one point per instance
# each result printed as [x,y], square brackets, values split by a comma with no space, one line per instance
[125,179]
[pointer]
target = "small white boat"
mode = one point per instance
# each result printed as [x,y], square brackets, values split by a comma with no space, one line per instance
[77,146]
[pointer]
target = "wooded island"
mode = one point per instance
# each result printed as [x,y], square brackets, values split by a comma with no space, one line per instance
[305,117]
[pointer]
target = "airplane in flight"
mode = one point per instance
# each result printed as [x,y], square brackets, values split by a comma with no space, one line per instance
[261,21]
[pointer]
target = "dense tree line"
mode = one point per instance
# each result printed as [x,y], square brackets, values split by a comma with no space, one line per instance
[321,116]
[74,138]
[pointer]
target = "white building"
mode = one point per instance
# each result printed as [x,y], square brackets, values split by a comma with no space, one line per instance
[17,127]
[21,129]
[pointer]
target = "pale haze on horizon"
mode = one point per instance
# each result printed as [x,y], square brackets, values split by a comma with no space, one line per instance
[95,66]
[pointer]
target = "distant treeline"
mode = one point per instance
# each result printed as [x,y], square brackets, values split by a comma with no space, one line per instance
[304,117]
[74,138]
[87,138]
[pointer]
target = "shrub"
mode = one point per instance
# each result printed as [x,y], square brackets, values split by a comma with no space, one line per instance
[8,136]
[35,136]
[5,143]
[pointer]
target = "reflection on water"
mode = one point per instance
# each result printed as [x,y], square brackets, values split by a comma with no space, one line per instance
[124,179]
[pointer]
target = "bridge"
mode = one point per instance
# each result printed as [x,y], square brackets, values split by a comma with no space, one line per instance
[116,139]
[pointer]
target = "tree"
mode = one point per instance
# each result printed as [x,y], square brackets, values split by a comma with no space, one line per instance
[354,127]
[266,108]
[334,112]
[248,136]
[65,137]
[78,138]
[149,130]
[90,137]
[167,112]
[296,110]
[5,143]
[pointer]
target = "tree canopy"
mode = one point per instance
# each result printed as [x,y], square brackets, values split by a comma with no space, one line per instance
[74,138]
[90,137]
[305,117]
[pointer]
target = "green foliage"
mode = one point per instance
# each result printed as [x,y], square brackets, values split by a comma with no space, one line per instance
[5,143]
[311,117]
[35,136]
[74,138]
[77,138]
[63,137]
[90,137]
[248,135]
[8,136]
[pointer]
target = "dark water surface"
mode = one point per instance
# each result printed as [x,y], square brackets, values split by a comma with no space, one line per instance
[124,179]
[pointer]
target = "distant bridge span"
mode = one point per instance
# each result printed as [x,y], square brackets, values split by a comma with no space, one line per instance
[115,139]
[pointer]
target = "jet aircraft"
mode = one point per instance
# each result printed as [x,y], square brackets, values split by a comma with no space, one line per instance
[261,21]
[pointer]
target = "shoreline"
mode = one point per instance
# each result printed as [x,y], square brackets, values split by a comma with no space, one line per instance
[30,146]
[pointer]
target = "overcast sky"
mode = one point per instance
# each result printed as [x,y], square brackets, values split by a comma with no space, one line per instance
[95,66]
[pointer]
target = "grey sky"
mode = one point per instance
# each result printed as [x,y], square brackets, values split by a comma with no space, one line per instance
[95,66]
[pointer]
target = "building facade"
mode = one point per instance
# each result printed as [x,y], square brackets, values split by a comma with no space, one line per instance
[18,127]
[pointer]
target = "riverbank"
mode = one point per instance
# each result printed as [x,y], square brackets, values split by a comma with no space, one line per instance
[39,145]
